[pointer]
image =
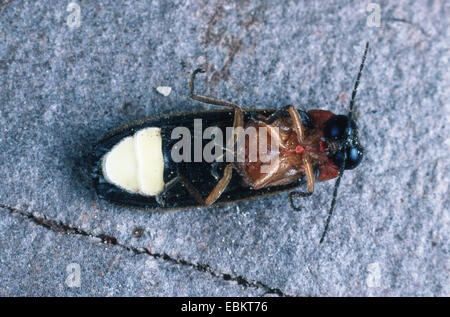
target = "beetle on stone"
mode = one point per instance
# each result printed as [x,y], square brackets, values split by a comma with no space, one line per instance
[133,166]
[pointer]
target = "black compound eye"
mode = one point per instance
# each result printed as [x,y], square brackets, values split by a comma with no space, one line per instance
[335,128]
[354,157]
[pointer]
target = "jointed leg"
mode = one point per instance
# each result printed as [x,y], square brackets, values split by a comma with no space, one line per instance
[276,115]
[296,194]
[274,135]
[284,112]
[237,123]
[161,197]
[238,115]
[189,187]
[309,171]
[220,186]
[266,177]
[297,122]
[212,197]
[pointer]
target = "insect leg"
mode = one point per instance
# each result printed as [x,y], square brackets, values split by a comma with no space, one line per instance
[191,189]
[298,125]
[212,197]
[277,114]
[296,194]
[309,171]
[220,186]
[266,177]
[237,123]
[161,197]
[238,115]
[284,112]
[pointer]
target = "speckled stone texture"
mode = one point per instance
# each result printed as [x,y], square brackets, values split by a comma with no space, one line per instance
[62,88]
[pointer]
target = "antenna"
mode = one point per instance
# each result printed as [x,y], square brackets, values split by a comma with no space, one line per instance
[341,170]
[355,88]
[333,201]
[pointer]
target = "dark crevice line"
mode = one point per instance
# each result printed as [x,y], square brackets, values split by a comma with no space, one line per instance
[60,227]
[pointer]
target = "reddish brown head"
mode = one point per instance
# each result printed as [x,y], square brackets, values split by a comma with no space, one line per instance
[337,137]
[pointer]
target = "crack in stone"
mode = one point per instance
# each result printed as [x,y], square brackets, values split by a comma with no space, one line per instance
[60,227]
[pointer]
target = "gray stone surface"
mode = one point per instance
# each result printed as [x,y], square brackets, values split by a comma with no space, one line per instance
[62,88]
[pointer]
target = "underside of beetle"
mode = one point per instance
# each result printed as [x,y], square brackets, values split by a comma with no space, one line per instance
[133,165]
